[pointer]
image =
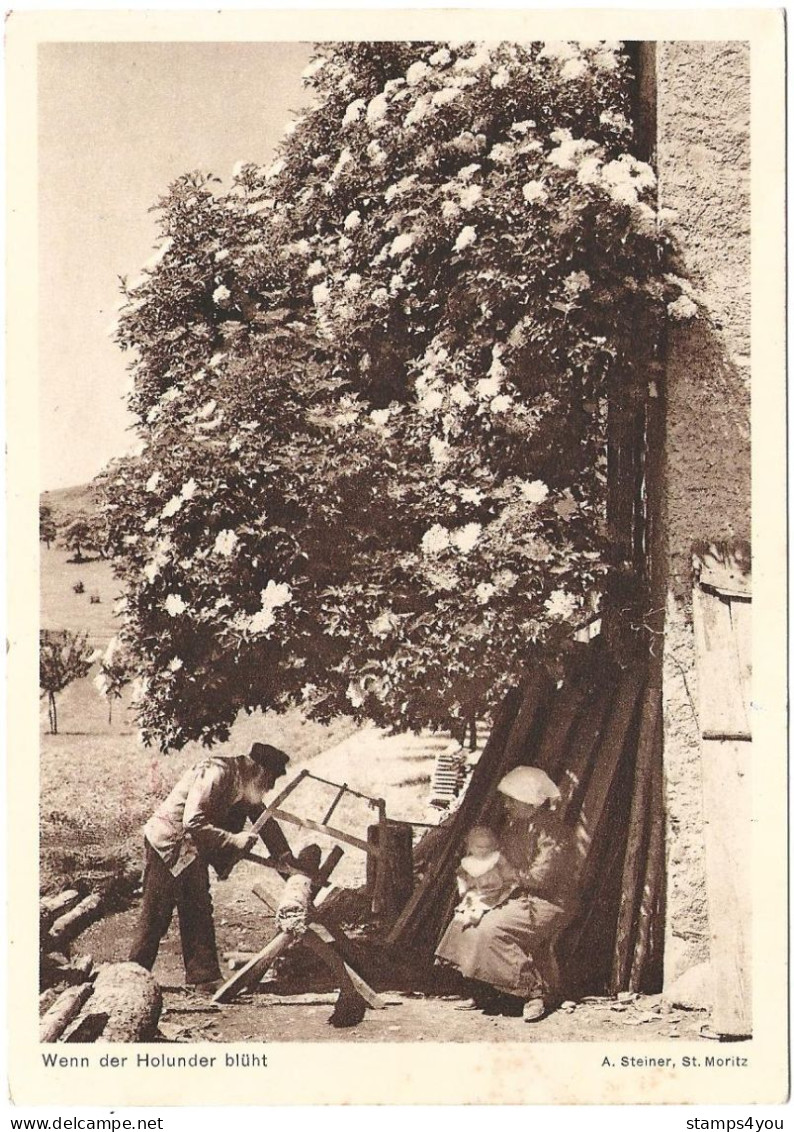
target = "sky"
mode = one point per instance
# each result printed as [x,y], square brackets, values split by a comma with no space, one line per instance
[117,123]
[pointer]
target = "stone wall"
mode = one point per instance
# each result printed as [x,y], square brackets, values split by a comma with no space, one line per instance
[703,163]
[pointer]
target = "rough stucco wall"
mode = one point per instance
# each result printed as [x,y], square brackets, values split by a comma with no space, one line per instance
[703,161]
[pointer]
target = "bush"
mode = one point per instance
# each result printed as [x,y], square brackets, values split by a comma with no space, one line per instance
[372,381]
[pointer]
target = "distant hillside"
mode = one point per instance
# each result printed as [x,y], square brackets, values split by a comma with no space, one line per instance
[67,500]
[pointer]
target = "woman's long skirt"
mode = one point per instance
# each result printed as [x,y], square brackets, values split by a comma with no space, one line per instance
[510,948]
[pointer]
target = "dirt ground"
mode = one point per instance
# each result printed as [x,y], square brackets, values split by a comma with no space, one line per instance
[295,1002]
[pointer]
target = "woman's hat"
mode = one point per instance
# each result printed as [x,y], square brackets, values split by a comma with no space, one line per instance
[530,785]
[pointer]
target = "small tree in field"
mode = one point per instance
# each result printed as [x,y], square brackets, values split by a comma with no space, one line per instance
[48,531]
[78,535]
[63,657]
[114,673]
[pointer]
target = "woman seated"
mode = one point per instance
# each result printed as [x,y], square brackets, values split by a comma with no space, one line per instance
[508,946]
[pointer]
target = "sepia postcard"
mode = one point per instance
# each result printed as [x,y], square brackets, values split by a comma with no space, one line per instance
[401,395]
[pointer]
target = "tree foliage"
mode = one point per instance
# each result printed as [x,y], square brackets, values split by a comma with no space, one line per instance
[371,381]
[48,530]
[63,657]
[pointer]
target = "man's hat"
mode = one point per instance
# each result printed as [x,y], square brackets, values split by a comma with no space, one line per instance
[269,758]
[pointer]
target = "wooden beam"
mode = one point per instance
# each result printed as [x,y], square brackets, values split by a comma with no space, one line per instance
[653,881]
[318,827]
[648,752]
[267,813]
[253,971]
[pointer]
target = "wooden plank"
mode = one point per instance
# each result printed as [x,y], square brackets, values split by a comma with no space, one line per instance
[607,758]
[577,764]
[253,971]
[322,947]
[649,909]
[515,751]
[721,709]
[728,811]
[648,753]
[554,743]
[742,625]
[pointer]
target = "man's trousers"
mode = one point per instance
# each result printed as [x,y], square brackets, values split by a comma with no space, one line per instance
[190,894]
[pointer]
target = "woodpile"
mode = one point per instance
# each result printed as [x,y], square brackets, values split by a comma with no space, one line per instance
[62,918]
[118,1002]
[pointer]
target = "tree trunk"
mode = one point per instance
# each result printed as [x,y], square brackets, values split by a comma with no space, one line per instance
[53,713]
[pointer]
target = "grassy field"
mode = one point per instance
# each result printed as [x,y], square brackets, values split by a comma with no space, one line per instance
[98,784]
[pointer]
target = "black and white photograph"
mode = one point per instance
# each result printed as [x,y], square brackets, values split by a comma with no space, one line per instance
[396,548]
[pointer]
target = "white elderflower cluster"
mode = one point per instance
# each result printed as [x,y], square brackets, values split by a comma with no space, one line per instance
[466,238]
[561,605]
[174,605]
[225,543]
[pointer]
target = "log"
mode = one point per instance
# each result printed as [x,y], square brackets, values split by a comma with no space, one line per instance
[392,881]
[47,999]
[640,819]
[69,926]
[131,998]
[51,907]
[65,1008]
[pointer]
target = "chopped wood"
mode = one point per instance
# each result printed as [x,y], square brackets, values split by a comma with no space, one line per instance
[65,1008]
[84,964]
[554,742]
[580,759]
[56,968]
[640,817]
[69,926]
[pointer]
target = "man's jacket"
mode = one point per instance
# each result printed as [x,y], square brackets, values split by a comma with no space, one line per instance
[207,804]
